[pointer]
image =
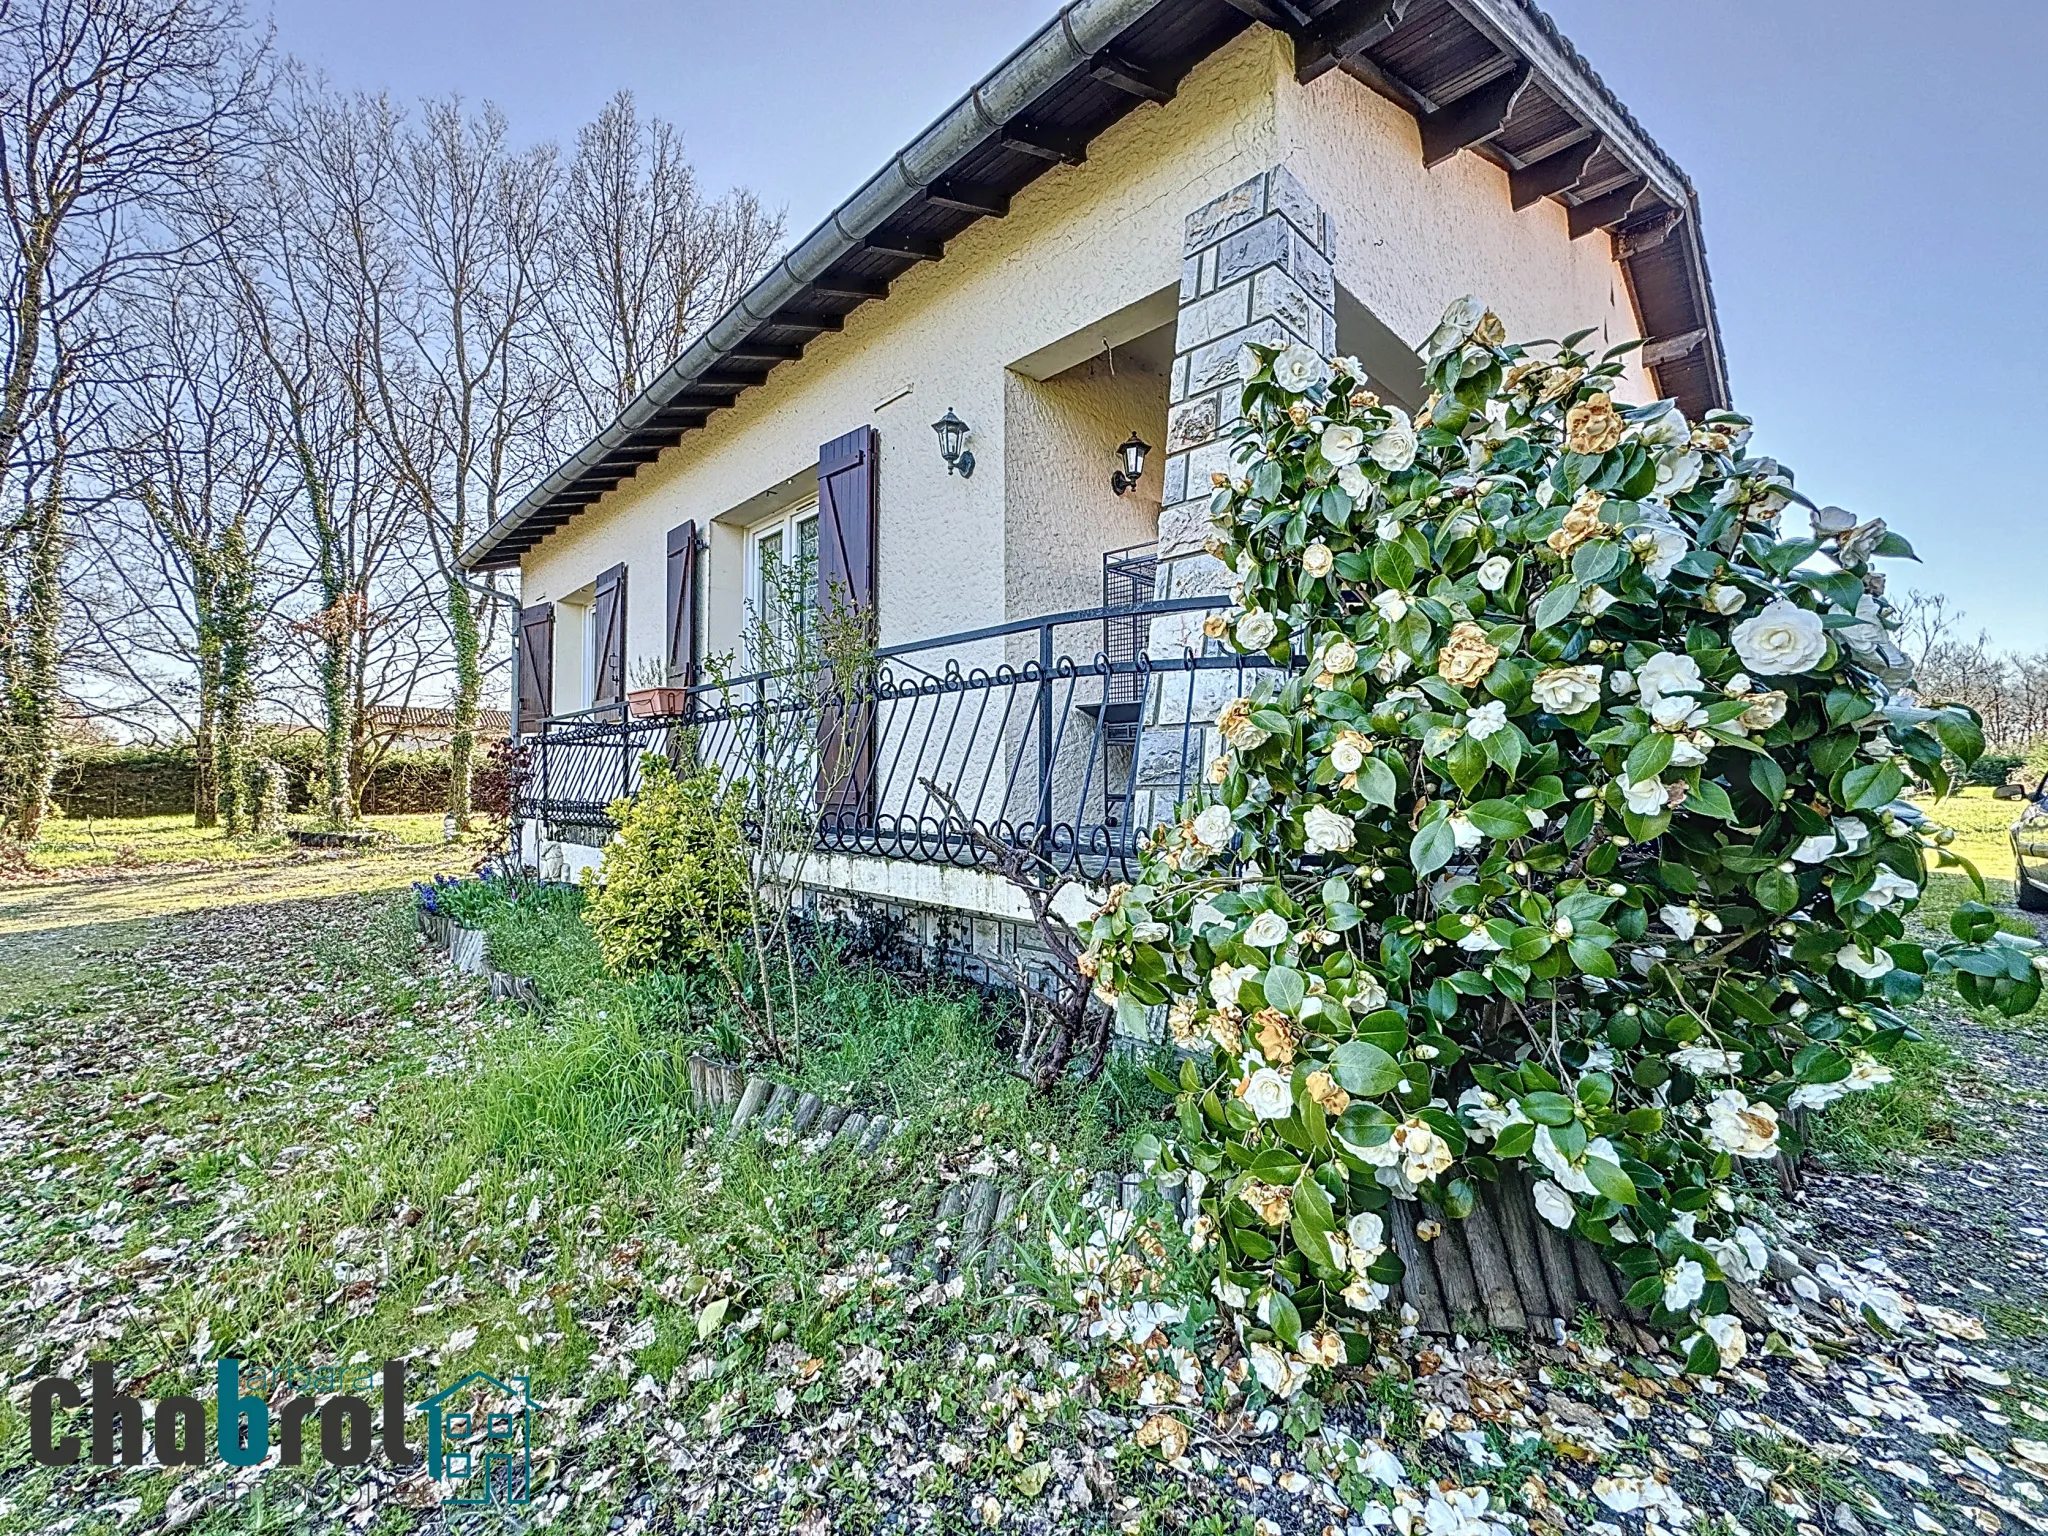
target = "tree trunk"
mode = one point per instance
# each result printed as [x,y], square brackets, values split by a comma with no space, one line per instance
[34,702]
[468,693]
[206,786]
[235,621]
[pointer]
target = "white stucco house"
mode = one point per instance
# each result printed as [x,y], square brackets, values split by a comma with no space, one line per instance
[1069,257]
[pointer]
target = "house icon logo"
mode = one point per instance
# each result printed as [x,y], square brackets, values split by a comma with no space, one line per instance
[480,1439]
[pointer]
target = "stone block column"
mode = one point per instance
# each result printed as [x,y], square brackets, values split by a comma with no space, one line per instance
[1256,267]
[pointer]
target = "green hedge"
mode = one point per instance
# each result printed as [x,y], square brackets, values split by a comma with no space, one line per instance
[158,781]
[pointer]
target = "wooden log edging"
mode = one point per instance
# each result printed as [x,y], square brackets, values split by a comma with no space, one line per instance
[468,951]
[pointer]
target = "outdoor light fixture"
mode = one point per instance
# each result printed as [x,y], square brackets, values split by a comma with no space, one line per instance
[1132,451]
[952,444]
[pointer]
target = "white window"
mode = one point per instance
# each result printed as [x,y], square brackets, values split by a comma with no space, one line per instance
[776,545]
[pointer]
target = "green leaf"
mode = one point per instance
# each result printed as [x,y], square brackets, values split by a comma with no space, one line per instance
[1872,786]
[1376,783]
[1592,957]
[1768,778]
[1778,891]
[1710,799]
[1284,988]
[1973,922]
[1611,1181]
[1551,1109]
[1362,1068]
[1286,1320]
[1957,727]
[1649,757]
[1430,849]
[711,1318]
[1312,1205]
[1467,762]
[1557,604]
[1516,1140]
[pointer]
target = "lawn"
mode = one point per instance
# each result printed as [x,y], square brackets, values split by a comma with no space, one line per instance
[245,1109]
[87,872]
[86,844]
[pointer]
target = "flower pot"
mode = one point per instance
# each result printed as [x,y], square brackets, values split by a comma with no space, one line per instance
[649,703]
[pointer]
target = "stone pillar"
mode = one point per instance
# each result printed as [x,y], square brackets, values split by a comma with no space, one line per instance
[1256,266]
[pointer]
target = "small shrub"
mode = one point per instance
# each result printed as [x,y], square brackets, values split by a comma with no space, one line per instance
[1994,767]
[675,878]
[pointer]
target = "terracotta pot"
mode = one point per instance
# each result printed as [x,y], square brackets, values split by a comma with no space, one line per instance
[648,703]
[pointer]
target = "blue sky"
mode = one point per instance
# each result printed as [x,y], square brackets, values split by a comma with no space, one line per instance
[1874,197]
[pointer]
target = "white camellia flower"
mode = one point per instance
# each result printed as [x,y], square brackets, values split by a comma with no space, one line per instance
[1567,690]
[1667,429]
[1367,1234]
[1347,755]
[1597,600]
[1682,921]
[1268,930]
[1257,630]
[1813,849]
[1678,471]
[1872,967]
[1317,560]
[1299,369]
[1678,712]
[1690,751]
[1783,639]
[1224,981]
[1488,718]
[1725,1329]
[1740,1127]
[1391,606]
[1342,443]
[1622,681]
[1553,1204]
[1725,600]
[1326,831]
[1707,1060]
[1353,482]
[1213,827]
[1888,889]
[1684,1284]
[1853,832]
[1666,673]
[1268,1094]
[1646,797]
[1387,528]
[1477,941]
[1494,572]
[1464,835]
[1248,365]
[1394,449]
[1150,933]
[1742,1255]
[1393,666]
[1659,546]
[1338,657]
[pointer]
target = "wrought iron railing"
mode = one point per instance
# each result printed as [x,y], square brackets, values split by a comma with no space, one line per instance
[1076,757]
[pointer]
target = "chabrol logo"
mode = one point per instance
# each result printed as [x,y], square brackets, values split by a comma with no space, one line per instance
[479,1430]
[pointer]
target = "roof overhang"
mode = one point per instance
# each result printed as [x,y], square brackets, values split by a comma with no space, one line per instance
[1494,77]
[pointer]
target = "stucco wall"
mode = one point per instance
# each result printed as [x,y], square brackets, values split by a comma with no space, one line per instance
[1079,244]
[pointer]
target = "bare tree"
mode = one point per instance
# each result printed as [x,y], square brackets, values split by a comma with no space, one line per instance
[462,385]
[194,454]
[643,261]
[115,118]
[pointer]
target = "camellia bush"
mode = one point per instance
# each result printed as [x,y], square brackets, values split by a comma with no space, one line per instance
[1570,831]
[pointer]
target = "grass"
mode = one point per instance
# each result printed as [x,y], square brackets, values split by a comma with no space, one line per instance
[1914,1115]
[69,846]
[410,1173]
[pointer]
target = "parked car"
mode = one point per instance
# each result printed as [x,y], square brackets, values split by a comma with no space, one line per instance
[2030,843]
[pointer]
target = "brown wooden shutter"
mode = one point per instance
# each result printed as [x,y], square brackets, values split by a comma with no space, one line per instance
[846,575]
[610,619]
[536,665]
[846,520]
[682,606]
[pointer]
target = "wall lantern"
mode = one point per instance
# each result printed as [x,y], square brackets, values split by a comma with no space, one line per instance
[953,444]
[1132,451]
